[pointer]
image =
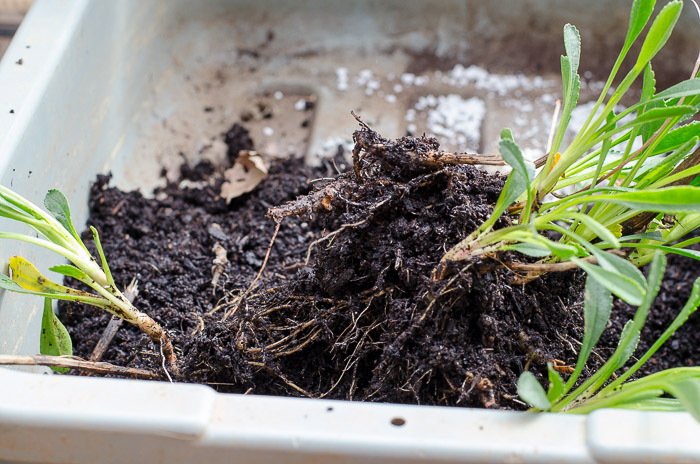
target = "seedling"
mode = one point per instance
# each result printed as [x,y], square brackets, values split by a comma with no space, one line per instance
[650,392]
[59,236]
[621,191]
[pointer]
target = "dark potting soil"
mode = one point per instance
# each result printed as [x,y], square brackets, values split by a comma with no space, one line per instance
[364,318]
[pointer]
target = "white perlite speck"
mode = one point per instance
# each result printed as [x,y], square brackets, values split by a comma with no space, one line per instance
[501,84]
[268,131]
[342,76]
[455,119]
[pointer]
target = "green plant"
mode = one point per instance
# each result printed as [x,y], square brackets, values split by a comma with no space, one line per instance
[649,392]
[631,201]
[59,235]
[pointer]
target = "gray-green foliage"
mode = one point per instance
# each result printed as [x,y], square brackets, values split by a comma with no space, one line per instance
[607,190]
[681,383]
[57,233]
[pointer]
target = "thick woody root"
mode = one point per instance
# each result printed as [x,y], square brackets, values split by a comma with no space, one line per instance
[159,337]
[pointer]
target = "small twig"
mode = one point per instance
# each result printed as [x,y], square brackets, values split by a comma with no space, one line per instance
[132,290]
[200,324]
[76,363]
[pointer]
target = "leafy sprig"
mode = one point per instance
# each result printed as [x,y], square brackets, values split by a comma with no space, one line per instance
[598,391]
[58,234]
[652,188]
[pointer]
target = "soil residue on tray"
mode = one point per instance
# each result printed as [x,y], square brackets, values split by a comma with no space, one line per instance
[347,306]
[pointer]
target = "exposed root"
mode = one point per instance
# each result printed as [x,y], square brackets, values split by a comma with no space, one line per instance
[233,309]
[132,290]
[535,270]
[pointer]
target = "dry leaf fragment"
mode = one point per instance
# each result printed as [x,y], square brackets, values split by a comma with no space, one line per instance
[219,262]
[249,170]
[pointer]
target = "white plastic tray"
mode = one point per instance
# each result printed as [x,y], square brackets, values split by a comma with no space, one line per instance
[113,86]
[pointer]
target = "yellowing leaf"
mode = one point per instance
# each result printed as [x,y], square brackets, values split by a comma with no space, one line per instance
[29,278]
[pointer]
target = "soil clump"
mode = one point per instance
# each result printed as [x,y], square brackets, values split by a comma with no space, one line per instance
[347,306]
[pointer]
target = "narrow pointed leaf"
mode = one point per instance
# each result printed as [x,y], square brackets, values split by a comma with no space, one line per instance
[621,286]
[639,16]
[597,306]
[70,271]
[629,338]
[659,32]
[507,134]
[669,200]
[54,339]
[686,88]
[556,384]
[530,249]
[620,265]
[678,137]
[654,235]
[599,229]
[105,266]
[688,393]
[530,391]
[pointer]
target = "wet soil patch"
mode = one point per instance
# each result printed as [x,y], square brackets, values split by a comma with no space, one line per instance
[347,306]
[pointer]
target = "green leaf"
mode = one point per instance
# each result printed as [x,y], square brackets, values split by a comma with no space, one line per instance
[57,204]
[659,32]
[105,266]
[689,308]
[597,305]
[562,251]
[688,253]
[597,228]
[530,249]
[686,88]
[639,16]
[629,338]
[515,184]
[615,263]
[572,45]
[513,156]
[54,339]
[678,137]
[666,166]
[556,384]
[669,200]
[655,114]
[70,271]
[688,393]
[530,391]
[507,134]
[565,76]
[525,170]
[655,235]
[619,285]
